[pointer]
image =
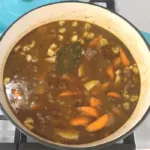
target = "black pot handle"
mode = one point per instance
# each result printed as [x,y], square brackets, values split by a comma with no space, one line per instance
[109,3]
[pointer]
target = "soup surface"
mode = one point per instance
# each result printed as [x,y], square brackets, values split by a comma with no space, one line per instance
[71,82]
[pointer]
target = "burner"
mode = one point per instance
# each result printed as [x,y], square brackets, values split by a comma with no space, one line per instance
[21,141]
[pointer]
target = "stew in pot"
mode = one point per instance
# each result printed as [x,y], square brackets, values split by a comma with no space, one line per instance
[71,82]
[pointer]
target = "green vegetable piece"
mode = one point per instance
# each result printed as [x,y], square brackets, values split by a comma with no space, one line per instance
[68,57]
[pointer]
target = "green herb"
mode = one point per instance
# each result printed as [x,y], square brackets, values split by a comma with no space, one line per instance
[68,57]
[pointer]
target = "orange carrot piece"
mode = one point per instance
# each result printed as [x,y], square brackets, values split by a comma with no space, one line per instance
[124,58]
[95,41]
[80,121]
[98,124]
[70,93]
[94,102]
[110,72]
[35,107]
[117,62]
[114,95]
[88,111]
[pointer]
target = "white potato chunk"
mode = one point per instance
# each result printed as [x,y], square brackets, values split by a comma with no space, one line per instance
[62,22]
[60,37]
[87,26]
[53,46]
[51,59]
[29,58]
[74,38]
[50,52]
[62,30]
[90,36]
[75,24]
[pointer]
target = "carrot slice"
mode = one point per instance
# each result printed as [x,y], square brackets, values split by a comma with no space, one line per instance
[110,72]
[98,124]
[35,107]
[114,95]
[70,93]
[95,41]
[94,102]
[124,58]
[88,111]
[80,121]
[117,62]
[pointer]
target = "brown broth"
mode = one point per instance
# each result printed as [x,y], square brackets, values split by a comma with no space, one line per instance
[33,84]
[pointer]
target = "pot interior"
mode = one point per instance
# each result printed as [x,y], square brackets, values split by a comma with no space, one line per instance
[96,15]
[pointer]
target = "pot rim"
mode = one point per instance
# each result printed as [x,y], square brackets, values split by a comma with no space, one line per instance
[70,146]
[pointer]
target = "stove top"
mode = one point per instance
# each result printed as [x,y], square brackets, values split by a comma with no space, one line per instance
[15,140]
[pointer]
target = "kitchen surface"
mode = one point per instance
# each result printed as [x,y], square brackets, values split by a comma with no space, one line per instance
[136,11]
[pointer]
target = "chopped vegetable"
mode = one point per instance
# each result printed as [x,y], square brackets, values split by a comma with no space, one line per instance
[70,93]
[74,38]
[60,37]
[125,94]
[41,88]
[29,58]
[116,49]
[103,42]
[90,36]
[62,30]
[75,24]
[117,62]
[26,48]
[80,121]
[87,26]
[114,95]
[81,41]
[118,79]
[88,111]
[124,58]
[68,58]
[18,47]
[50,52]
[95,42]
[98,124]
[23,53]
[6,81]
[85,34]
[29,123]
[53,46]
[81,70]
[110,72]
[134,98]
[51,59]
[126,105]
[94,102]
[62,22]
[35,106]
[135,69]
[32,44]
[69,134]
[90,84]
[118,72]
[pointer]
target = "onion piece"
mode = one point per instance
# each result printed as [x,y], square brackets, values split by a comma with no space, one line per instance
[90,84]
